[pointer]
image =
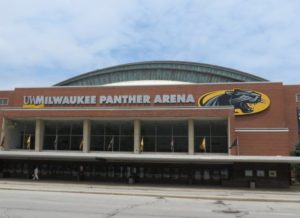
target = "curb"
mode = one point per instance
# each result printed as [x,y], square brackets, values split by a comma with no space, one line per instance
[158,195]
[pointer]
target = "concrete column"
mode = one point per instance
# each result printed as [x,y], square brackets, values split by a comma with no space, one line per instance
[86,135]
[229,136]
[39,135]
[3,134]
[191,136]
[137,135]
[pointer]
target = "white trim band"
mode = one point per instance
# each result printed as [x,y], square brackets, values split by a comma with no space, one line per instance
[146,157]
[90,108]
[262,130]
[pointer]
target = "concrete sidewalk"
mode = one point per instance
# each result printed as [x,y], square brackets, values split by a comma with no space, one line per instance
[211,193]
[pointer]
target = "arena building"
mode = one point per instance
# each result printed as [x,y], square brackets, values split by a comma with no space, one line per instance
[154,122]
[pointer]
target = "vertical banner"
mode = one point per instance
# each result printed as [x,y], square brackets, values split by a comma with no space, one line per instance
[298,116]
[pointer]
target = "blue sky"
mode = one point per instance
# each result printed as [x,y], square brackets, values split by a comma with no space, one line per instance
[45,42]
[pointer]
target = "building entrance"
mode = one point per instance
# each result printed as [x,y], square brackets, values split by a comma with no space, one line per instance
[155,173]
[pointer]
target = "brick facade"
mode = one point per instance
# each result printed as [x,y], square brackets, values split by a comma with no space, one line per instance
[280,115]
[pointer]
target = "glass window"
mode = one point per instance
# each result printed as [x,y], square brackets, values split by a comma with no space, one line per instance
[127,143]
[112,143]
[112,136]
[148,128]
[49,142]
[260,173]
[165,136]
[50,128]
[248,173]
[180,128]
[126,128]
[112,129]
[149,143]
[163,144]
[164,129]
[3,101]
[206,175]
[219,128]
[97,143]
[272,173]
[63,143]
[216,175]
[298,98]
[198,175]
[77,128]
[22,134]
[76,142]
[63,128]
[63,135]
[180,144]
[97,128]
[202,128]
[219,145]
[224,174]
[210,136]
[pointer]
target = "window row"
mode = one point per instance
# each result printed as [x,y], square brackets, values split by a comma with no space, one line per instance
[156,136]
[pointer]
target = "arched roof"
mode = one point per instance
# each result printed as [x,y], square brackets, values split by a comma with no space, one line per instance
[161,70]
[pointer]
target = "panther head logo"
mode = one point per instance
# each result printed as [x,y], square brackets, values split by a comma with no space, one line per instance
[240,99]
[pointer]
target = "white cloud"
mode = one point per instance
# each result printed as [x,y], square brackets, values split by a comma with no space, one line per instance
[53,40]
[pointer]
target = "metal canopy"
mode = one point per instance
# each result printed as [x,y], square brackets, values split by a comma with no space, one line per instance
[145,157]
[161,70]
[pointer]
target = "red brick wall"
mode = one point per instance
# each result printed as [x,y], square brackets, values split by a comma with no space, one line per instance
[9,95]
[280,114]
[290,112]
[263,143]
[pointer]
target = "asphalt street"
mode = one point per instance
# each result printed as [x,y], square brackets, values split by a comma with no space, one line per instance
[152,190]
[25,198]
[31,204]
